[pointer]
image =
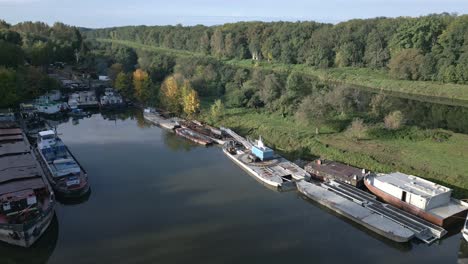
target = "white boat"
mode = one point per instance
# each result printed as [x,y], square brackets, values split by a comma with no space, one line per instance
[83,99]
[48,107]
[111,99]
[465,229]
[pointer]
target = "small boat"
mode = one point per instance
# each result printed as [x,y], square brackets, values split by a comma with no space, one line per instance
[194,136]
[465,229]
[425,199]
[65,174]
[111,99]
[83,99]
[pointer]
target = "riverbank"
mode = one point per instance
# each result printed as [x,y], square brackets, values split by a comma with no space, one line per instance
[358,78]
[443,162]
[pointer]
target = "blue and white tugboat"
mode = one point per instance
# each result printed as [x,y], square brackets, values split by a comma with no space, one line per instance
[65,174]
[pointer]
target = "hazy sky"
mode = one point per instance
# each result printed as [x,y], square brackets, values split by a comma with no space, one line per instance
[105,13]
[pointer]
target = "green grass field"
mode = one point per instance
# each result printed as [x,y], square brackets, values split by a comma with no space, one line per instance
[361,78]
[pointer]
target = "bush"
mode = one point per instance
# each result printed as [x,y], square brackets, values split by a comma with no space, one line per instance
[394,120]
[217,110]
[357,130]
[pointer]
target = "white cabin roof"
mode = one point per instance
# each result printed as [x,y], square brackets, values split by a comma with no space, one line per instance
[413,184]
[46,133]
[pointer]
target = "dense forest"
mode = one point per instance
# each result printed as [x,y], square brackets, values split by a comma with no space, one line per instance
[26,51]
[433,47]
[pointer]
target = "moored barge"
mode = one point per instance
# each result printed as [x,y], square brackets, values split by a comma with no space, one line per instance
[261,162]
[156,118]
[194,136]
[425,199]
[27,200]
[65,174]
[355,212]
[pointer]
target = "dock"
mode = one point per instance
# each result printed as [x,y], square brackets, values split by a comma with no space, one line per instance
[247,144]
[423,230]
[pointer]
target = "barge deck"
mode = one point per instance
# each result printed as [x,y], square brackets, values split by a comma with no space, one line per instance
[363,208]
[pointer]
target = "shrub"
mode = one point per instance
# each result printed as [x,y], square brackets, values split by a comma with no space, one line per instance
[357,130]
[394,120]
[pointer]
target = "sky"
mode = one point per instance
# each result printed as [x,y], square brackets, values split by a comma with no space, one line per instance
[108,13]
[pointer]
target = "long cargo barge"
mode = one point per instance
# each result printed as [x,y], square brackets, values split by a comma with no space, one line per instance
[27,200]
[194,136]
[353,211]
[364,209]
[154,117]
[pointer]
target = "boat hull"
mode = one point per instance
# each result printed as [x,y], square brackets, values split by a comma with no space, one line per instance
[355,212]
[24,235]
[62,192]
[443,222]
[251,172]
[200,141]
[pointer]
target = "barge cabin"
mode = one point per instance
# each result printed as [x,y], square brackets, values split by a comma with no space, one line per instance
[425,199]
[326,170]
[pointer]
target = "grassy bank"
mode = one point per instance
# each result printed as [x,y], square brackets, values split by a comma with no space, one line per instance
[440,161]
[361,78]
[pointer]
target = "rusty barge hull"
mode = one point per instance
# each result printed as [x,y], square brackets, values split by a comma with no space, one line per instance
[432,218]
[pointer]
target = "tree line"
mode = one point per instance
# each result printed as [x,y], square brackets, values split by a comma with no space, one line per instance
[26,51]
[432,48]
[290,93]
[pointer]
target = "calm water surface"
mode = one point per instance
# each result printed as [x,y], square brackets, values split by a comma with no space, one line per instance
[157,198]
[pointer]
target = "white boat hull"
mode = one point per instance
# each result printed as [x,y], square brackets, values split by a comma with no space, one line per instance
[252,172]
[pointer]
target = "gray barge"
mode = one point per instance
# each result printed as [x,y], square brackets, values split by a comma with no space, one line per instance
[261,162]
[154,117]
[364,209]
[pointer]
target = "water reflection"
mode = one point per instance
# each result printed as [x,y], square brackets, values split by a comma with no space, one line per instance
[38,253]
[176,143]
[403,247]
[75,200]
[463,252]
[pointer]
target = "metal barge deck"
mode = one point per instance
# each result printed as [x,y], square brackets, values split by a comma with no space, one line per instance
[363,208]
[156,119]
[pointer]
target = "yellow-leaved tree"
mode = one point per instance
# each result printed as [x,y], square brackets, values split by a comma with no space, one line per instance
[191,102]
[171,94]
[141,84]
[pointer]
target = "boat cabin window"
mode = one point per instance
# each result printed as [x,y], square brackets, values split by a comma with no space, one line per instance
[47,137]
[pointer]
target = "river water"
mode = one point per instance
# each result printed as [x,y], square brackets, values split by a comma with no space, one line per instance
[157,198]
